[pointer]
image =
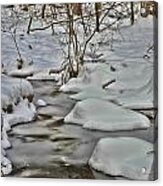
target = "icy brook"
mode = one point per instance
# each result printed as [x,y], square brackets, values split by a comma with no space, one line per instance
[64,140]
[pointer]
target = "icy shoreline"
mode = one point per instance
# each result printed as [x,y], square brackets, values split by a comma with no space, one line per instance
[16,95]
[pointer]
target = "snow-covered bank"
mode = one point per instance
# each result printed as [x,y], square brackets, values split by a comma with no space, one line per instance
[17,108]
[129,73]
[130,86]
[92,74]
[123,156]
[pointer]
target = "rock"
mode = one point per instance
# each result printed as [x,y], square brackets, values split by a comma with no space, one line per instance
[24,112]
[6,166]
[21,73]
[41,103]
[124,156]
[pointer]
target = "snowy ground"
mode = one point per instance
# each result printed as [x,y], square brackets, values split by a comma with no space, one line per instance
[55,143]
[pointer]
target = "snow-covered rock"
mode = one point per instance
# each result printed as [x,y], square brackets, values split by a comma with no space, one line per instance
[22,73]
[22,113]
[41,103]
[6,165]
[6,126]
[12,89]
[99,114]
[123,156]
[15,92]
[4,140]
[92,74]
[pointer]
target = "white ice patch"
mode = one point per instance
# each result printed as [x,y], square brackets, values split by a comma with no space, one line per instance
[99,114]
[123,156]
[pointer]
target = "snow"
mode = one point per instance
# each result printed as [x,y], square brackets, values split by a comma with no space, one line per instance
[41,103]
[123,156]
[15,92]
[22,113]
[44,76]
[14,88]
[92,74]
[4,140]
[22,73]
[90,92]
[134,87]
[6,125]
[6,166]
[99,114]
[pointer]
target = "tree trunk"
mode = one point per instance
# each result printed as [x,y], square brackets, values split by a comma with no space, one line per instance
[97,12]
[132,13]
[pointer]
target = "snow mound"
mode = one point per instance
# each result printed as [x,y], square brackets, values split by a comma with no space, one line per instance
[22,73]
[99,114]
[123,156]
[15,92]
[6,166]
[22,113]
[12,89]
[131,87]
[5,144]
[92,74]
[41,103]
[134,87]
